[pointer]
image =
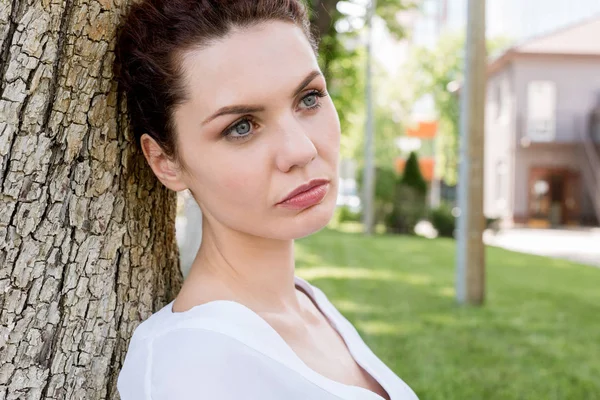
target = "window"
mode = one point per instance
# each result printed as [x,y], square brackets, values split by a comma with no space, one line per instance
[502,101]
[541,111]
[500,184]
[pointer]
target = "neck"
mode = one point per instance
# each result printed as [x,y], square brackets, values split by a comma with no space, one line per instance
[255,271]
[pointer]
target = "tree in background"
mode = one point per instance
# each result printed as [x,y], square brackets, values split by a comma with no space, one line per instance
[325,15]
[388,127]
[438,72]
[385,182]
[412,176]
[409,205]
[342,59]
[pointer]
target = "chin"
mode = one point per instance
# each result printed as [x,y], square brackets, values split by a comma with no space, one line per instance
[311,220]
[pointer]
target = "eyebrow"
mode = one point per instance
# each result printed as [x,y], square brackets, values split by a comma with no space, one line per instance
[306,81]
[246,109]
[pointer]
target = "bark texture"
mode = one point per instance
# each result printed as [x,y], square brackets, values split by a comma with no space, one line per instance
[87,234]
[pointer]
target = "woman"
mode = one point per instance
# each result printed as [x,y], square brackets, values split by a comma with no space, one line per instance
[227,100]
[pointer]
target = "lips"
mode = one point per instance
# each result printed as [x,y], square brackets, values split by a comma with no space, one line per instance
[305,187]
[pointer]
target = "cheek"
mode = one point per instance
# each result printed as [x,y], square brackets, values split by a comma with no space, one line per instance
[232,177]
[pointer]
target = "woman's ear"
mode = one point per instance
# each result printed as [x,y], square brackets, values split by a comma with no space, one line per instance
[166,170]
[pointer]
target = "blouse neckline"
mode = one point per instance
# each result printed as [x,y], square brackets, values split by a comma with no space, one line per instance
[270,343]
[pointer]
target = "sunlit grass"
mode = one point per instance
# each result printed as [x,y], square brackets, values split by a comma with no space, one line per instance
[537,337]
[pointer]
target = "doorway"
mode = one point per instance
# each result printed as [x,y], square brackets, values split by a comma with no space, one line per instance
[554,197]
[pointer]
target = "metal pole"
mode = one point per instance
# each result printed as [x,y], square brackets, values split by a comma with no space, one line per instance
[369,171]
[470,274]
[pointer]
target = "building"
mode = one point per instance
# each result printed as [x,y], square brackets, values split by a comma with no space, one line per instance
[542,158]
[518,19]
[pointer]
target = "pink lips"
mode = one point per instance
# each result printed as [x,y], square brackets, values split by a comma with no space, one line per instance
[306,195]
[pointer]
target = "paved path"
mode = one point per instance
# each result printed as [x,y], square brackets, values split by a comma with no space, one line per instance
[582,246]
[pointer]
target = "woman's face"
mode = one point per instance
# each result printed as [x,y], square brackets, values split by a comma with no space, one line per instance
[258,124]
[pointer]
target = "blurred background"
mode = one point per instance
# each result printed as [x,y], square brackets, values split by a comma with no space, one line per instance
[537,334]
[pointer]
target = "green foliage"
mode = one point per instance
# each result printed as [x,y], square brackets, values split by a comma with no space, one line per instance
[325,16]
[345,214]
[443,221]
[493,224]
[342,58]
[408,209]
[434,71]
[412,176]
[387,130]
[388,11]
[346,87]
[409,205]
[385,182]
[399,200]
[385,179]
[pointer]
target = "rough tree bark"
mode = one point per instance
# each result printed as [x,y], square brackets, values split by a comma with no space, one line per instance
[87,234]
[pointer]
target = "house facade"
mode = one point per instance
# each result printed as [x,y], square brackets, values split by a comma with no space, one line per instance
[542,151]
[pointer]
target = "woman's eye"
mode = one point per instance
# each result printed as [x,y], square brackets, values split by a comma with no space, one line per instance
[310,100]
[241,130]
[243,127]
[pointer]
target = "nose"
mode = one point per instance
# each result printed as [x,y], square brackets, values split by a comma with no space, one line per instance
[296,149]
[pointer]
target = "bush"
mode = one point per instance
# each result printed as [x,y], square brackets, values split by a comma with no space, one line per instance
[409,209]
[443,221]
[493,224]
[412,176]
[385,183]
[347,215]
[409,203]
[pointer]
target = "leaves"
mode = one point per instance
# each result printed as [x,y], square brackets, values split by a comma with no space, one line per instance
[342,57]
[438,72]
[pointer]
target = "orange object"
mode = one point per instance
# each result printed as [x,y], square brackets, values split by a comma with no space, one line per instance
[424,129]
[426,165]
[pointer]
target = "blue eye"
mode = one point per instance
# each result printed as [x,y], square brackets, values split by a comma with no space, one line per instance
[311,101]
[243,128]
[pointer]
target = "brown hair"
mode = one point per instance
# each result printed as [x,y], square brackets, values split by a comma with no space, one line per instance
[154,36]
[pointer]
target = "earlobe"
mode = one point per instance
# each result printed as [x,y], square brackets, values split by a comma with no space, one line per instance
[163,167]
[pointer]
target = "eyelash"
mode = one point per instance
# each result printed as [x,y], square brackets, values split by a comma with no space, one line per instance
[226,133]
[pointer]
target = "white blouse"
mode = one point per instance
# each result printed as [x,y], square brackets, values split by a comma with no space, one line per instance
[222,350]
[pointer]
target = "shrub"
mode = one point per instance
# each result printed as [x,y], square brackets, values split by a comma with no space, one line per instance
[492,223]
[443,221]
[409,205]
[347,215]
[409,208]
[385,183]
[412,176]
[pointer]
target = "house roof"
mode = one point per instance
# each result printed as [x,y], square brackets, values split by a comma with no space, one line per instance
[579,39]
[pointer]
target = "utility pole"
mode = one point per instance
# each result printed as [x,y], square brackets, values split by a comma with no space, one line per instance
[369,170]
[470,276]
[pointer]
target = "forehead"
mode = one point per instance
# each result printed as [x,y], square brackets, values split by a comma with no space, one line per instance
[247,64]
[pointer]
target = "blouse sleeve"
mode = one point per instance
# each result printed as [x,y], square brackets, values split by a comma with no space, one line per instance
[193,363]
[131,383]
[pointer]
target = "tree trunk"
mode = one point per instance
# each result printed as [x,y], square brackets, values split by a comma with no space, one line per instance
[87,233]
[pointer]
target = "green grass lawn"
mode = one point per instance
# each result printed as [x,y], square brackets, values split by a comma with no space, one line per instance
[537,336]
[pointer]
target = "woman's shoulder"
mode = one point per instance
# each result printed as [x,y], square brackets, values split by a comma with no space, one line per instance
[232,357]
[209,315]
[204,316]
[178,362]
